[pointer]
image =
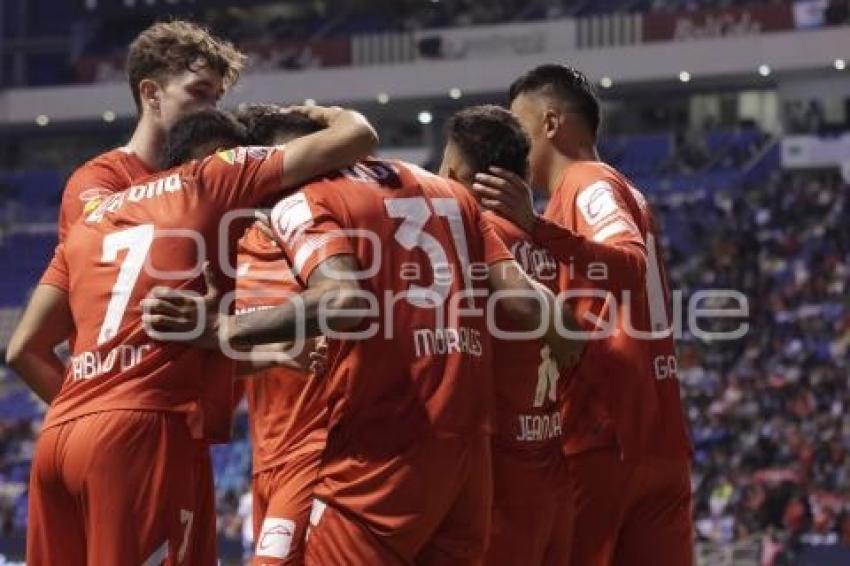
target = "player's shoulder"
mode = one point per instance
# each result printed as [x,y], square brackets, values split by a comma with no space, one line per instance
[434,185]
[581,174]
[109,162]
[507,231]
[102,171]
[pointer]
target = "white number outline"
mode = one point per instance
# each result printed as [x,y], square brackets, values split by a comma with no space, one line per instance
[411,234]
[137,241]
[186,518]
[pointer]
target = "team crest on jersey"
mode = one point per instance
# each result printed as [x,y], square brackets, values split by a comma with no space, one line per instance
[258,151]
[535,261]
[228,156]
[92,198]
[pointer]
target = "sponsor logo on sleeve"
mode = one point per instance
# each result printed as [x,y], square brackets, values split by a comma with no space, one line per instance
[238,155]
[258,151]
[275,540]
[290,216]
[597,203]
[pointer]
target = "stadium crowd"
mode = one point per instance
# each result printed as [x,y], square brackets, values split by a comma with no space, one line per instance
[768,416]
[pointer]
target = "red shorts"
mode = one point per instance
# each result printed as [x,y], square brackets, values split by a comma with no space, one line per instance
[204,544]
[118,487]
[282,497]
[532,509]
[631,513]
[430,505]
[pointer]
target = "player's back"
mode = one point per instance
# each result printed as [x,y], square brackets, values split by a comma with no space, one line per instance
[157,232]
[286,407]
[525,374]
[419,242]
[637,361]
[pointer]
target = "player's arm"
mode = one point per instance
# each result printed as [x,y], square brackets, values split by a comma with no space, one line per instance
[624,257]
[348,138]
[532,306]
[312,358]
[333,301]
[45,324]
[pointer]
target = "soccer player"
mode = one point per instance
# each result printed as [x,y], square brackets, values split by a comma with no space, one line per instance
[287,408]
[114,471]
[532,519]
[624,433]
[395,261]
[174,68]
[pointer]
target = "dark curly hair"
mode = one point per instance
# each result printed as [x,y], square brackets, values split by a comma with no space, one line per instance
[566,83]
[266,124]
[490,135]
[200,128]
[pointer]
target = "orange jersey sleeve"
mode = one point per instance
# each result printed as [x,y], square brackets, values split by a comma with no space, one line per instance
[593,219]
[263,276]
[56,273]
[309,230]
[241,177]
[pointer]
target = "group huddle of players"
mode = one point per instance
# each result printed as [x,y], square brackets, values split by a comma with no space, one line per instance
[479,384]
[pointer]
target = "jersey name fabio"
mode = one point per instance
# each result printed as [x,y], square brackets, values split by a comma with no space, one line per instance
[624,390]
[287,410]
[157,232]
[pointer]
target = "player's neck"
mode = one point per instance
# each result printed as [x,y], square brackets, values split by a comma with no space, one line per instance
[564,158]
[146,143]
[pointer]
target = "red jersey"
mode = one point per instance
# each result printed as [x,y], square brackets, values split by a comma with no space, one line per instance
[95,180]
[157,232]
[421,370]
[524,373]
[624,390]
[287,412]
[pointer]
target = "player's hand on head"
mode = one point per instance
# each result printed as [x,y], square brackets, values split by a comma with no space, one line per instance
[174,315]
[507,194]
[322,114]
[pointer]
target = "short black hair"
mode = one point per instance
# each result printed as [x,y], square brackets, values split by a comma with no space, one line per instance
[265,122]
[490,135]
[198,128]
[568,84]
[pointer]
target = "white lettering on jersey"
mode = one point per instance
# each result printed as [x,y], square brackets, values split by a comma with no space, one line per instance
[136,193]
[534,428]
[92,364]
[443,341]
[536,262]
